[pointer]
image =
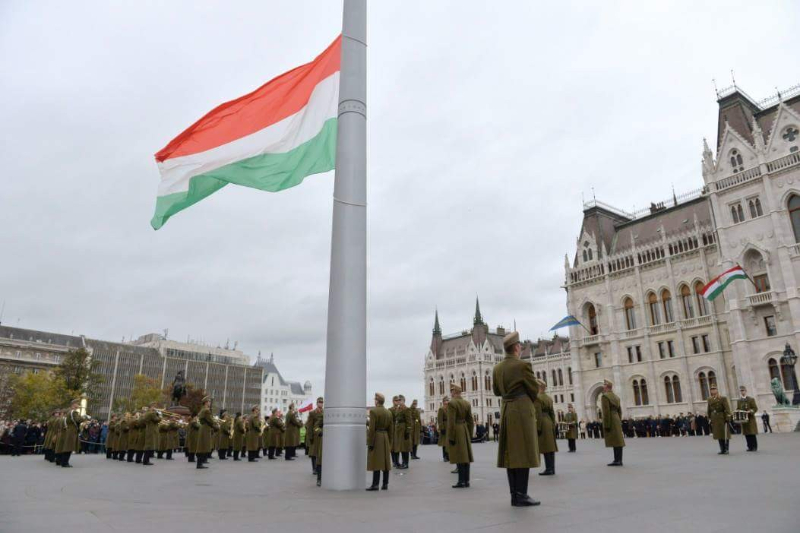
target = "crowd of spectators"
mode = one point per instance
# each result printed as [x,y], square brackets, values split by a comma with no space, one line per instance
[23,437]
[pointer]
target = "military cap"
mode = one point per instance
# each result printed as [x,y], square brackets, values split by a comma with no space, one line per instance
[713,386]
[606,382]
[379,396]
[256,406]
[541,383]
[511,339]
[455,389]
[274,410]
[401,397]
[742,387]
[320,399]
[395,398]
[446,399]
[76,400]
[206,399]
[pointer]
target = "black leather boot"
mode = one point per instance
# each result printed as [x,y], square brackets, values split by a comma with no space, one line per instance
[376,478]
[385,485]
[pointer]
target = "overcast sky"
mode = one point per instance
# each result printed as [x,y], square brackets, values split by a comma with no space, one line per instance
[487,122]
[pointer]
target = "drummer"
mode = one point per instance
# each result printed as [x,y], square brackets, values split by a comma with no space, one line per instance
[719,413]
[749,426]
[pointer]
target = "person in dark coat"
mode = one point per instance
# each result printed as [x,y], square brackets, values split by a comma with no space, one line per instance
[765,421]
[18,437]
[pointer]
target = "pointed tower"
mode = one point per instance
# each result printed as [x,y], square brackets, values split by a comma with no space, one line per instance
[479,328]
[436,338]
[478,318]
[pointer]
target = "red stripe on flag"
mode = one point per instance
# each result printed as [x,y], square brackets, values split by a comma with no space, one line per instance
[713,281]
[272,102]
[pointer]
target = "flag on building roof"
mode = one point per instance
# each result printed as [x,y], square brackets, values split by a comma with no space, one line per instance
[270,139]
[718,284]
[568,320]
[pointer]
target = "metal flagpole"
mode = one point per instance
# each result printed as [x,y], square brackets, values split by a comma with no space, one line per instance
[346,360]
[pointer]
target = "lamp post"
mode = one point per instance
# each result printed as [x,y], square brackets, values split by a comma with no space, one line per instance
[789,359]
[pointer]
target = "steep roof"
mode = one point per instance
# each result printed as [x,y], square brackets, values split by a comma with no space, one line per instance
[44,337]
[738,109]
[296,388]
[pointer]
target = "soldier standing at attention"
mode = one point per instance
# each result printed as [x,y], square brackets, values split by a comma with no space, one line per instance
[239,431]
[459,436]
[719,413]
[393,411]
[150,420]
[571,418]
[379,443]
[191,439]
[612,423]
[71,430]
[546,429]
[292,435]
[403,423]
[749,428]
[205,441]
[318,425]
[518,448]
[441,423]
[253,434]
[111,437]
[225,442]
[415,430]
[123,428]
[310,437]
[276,429]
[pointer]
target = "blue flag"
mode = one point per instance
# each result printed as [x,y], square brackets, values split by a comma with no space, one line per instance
[568,320]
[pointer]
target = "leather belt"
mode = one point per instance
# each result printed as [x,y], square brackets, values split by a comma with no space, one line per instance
[509,398]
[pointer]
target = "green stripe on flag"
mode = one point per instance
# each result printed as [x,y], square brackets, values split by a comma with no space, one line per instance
[716,292]
[267,172]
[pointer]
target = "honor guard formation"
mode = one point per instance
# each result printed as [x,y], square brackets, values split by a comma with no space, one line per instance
[527,431]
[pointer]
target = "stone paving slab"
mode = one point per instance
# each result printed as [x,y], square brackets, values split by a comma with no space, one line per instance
[667,485]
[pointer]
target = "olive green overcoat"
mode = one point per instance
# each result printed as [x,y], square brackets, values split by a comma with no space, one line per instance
[719,413]
[293,425]
[191,435]
[310,432]
[441,424]
[379,439]
[459,431]
[253,440]
[415,432]
[151,420]
[124,428]
[164,440]
[612,420]
[748,404]
[239,430]
[514,382]
[207,423]
[71,430]
[403,426]
[318,425]
[225,430]
[276,431]
[111,435]
[572,420]
[545,423]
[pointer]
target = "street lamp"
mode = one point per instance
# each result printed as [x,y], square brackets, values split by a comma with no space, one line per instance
[789,359]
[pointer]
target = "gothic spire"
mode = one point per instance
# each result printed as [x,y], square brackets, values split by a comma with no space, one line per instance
[478,318]
[436,329]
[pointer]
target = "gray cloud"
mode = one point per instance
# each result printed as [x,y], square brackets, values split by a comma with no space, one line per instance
[487,122]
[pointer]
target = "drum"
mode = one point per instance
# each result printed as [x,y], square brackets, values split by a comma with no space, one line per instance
[563,427]
[740,417]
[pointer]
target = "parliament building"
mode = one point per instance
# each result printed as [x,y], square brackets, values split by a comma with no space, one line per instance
[635,278]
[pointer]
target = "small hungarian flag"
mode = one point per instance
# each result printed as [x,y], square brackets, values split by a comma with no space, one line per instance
[307,405]
[269,139]
[718,284]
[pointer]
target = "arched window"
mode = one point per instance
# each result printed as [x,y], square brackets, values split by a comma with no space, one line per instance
[655,314]
[774,370]
[676,389]
[585,256]
[754,204]
[637,395]
[666,300]
[592,319]
[560,377]
[712,378]
[630,315]
[645,397]
[686,302]
[737,163]
[555,381]
[487,381]
[590,254]
[734,215]
[668,390]
[569,374]
[474,381]
[431,388]
[463,382]
[441,386]
[794,215]
[786,370]
[704,393]
[702,307]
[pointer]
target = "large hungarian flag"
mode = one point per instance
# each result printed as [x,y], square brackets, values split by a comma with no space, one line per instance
[270,139]
[718,284]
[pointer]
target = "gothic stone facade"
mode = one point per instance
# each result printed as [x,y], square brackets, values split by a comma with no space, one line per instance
[635,278]
[467,359]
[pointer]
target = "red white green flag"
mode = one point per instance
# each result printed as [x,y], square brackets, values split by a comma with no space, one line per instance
[270,139]
[718,284]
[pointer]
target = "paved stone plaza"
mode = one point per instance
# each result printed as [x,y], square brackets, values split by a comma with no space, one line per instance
[676,484]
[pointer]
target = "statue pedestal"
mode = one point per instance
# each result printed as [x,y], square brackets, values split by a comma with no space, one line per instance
[179,410]
[785,419]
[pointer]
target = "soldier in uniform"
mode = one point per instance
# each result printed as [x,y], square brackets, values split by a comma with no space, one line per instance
[111,437]
[239,431]
[403,424]
[123,428]
[379,443]
[191,439]
[318,425]
[139,427]
[163,438]
[546,429]
[312,451]
[276,430]
[749,428]
[204,437]
[48,448]
[459,436]
[151,420]
[518,447]
[415,432]
[292,434]
[225,435]
[393,411]
[71,430]
[441,423]
[254,427]
[719,413]
[571,418]
[612,422]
